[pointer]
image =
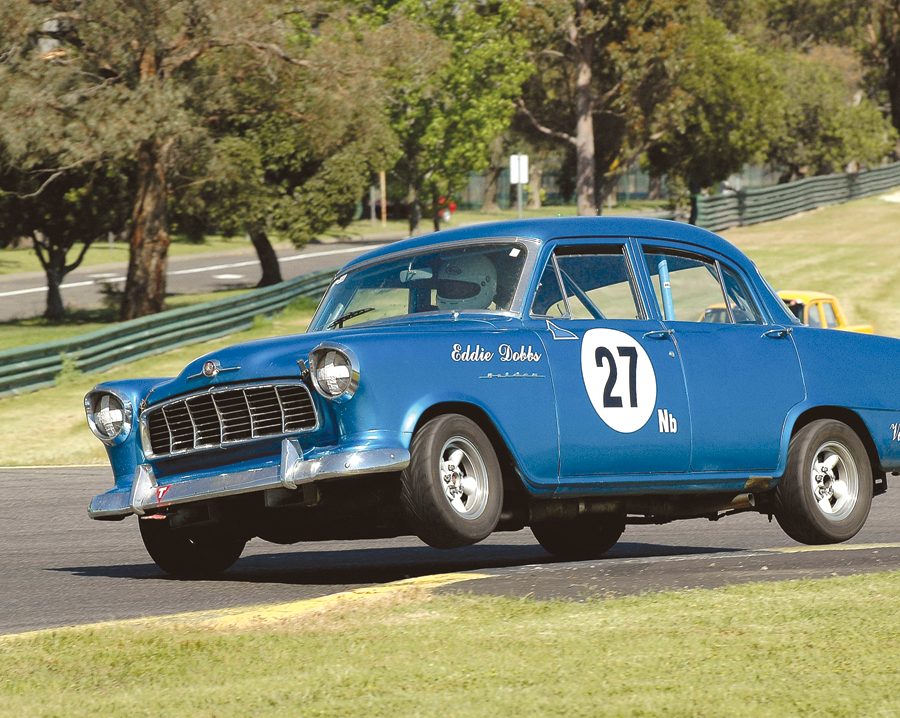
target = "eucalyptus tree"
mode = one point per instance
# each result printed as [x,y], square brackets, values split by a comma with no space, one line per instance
[870,28]
[603,79]
[828,125]
[295,151]
[727,106]
[56,190]
[128,82]
[456,95]
[79,207]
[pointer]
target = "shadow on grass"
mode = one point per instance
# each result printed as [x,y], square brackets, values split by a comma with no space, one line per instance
[353,567]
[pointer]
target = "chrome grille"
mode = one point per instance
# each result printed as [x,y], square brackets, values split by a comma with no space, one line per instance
[227,415]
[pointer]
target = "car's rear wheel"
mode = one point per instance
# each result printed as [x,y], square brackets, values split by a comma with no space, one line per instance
[190,554]
[581,537]
[826,492]
[452,490]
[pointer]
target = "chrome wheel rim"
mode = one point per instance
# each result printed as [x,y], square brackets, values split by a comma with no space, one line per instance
[464,478]
[834,478]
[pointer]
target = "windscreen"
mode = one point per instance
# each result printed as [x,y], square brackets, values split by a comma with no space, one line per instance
[481,278]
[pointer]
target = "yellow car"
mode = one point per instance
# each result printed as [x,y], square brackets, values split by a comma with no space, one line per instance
[818,309]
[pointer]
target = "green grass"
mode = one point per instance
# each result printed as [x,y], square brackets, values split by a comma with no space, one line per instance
[802,648]
[25,417]
[37,330]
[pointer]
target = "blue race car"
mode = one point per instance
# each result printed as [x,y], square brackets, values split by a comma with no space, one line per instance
[552,374]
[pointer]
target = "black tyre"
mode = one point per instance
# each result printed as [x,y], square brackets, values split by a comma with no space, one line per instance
[452,491]
[190,554]
[586,536]
[826,491]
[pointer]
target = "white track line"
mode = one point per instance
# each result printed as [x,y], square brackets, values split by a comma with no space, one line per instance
[197,270]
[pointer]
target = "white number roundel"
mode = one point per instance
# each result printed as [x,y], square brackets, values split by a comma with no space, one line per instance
[619,379]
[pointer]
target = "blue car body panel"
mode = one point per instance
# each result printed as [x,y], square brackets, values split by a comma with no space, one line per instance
[724,403]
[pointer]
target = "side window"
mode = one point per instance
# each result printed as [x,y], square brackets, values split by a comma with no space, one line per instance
[795,307]
[687,287]
[596,284]
[739,300]
[815,319]
[830,319]
[548,299]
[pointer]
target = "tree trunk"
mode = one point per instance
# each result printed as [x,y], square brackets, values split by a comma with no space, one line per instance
[492,177]
[534,183]
[654,189]
[268,260]
[584,125]
[436,210]
[694,188]
[55,269]
[893,84]
[145,287]
[415,209]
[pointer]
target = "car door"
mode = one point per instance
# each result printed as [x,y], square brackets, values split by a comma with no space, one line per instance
[742,374]
[617,377]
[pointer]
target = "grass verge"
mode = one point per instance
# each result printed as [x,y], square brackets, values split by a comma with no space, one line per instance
[796,648]
[25,417]
[37,330]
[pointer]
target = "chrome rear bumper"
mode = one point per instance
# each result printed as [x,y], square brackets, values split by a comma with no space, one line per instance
[146,494]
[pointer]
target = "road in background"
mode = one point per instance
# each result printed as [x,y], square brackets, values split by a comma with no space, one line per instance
[58,567]
[24,295]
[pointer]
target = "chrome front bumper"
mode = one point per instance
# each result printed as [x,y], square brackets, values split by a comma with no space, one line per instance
[147,494]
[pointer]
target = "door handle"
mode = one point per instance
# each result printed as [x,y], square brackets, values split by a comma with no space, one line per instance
[779,333]
[659,334]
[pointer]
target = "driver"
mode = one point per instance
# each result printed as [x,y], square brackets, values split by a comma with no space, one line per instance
[466,282]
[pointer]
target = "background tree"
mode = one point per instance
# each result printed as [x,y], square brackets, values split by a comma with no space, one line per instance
[55,188]
[869,28]
[129,77]
[295,151]
[603,75]
[726,106]
[457,99]
[78,208]
[828,126]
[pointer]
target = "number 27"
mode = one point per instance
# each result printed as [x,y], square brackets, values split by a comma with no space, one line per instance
[630,353]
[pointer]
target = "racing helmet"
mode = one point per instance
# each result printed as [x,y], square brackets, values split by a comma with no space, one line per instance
[466,282]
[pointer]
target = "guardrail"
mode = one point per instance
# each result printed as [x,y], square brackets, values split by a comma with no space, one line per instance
[768,203]
[37,366]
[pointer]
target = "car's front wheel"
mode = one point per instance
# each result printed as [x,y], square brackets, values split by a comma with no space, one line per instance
[581,537]
[190,554]
[826,492]
[452,490]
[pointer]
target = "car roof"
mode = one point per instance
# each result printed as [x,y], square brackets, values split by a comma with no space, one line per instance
[803,295]
[546,229]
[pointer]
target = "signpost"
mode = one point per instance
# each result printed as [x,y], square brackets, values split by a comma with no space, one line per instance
[518,175]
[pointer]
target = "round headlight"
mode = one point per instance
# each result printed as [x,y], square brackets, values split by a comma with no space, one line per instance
[335,373]
[108,415]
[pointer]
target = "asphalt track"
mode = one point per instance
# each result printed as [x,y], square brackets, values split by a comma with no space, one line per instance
[24,295]
[59,568]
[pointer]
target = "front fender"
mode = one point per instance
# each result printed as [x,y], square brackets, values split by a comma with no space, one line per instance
[125,457]
[504,374]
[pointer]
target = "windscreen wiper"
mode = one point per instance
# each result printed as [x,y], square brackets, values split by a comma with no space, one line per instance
[339,322]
